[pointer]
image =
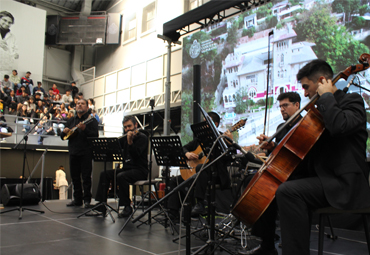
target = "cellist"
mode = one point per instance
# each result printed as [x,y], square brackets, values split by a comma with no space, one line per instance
[289,103]
[337,163]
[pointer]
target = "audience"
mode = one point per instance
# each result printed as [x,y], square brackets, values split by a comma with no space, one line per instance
[19,97]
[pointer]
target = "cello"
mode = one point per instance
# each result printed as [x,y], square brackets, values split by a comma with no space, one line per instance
[287,155]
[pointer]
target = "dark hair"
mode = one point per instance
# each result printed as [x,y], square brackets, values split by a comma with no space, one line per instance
[39,82]
[51,89]
[128,118]
[6,76]
[314,69]
[215,117]
[80,94]
[73,83]
[15,71]
[293,97]
[83,100]
[29,72]
[7,14]
[92,101]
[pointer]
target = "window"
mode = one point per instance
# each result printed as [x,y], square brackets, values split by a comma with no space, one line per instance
[148,17]
[194,4]
[130,27]
[252,93]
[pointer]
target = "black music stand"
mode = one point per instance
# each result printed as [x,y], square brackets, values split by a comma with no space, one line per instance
[105,150]
[207,134]
[167,151]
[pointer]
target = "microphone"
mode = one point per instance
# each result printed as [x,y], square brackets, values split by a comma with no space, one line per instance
[249,156]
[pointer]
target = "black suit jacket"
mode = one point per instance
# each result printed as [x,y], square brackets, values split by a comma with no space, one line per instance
[339,156]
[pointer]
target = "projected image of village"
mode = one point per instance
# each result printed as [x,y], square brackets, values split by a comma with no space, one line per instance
[233,55]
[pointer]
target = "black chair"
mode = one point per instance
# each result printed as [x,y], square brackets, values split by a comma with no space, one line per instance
[327,211]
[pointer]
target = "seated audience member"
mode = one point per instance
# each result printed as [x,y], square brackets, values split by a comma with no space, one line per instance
[44,128]
[3,101]
[67,97]
[6,85]
[22,99]
[37,97]
[70,114]
[55,90]
[20,91]
[58,99]
[4,127]
[58,124]
[39,109]
[11,110]
[72,105]
[11,101]
[63,111]
[38,88]
[24,118]
[31,108]
[27,82]
[93,113]
[91,103]
[51,94]
[45,113]
[15,80]
[80,95]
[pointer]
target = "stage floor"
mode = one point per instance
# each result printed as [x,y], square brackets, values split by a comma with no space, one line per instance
[59,231]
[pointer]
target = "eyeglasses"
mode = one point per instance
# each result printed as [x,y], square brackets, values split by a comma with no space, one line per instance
[284,106]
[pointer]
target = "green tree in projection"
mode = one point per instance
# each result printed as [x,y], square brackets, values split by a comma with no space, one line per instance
[232,34]
[349,7]
[240,105]
[333,42]
[186,116]
[264,10]
[364,9]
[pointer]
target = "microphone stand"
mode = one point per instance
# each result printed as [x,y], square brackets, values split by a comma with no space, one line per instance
[25,139]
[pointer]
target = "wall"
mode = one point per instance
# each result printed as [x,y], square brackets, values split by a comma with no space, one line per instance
[12,164]
[29,40]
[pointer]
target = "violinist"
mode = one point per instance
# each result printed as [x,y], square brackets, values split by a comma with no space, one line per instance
[135,167]
[80,153]
[338,172]
[289,104]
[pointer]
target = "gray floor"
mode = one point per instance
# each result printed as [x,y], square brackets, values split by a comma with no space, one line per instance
[58,231]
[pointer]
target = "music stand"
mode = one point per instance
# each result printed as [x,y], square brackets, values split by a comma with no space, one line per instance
[207,133]
[105,150]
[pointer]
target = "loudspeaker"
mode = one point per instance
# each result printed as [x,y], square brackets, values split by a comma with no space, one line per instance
[11,194]
[52,29]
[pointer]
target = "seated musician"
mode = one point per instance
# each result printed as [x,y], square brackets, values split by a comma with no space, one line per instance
[265,226]
[135,166]
[203,179]
[338,169]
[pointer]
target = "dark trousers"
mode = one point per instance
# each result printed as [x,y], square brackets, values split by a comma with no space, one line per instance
[296,199]
[81,166]
[123,179]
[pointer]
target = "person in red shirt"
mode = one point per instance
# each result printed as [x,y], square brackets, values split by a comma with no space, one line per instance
[55,89]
